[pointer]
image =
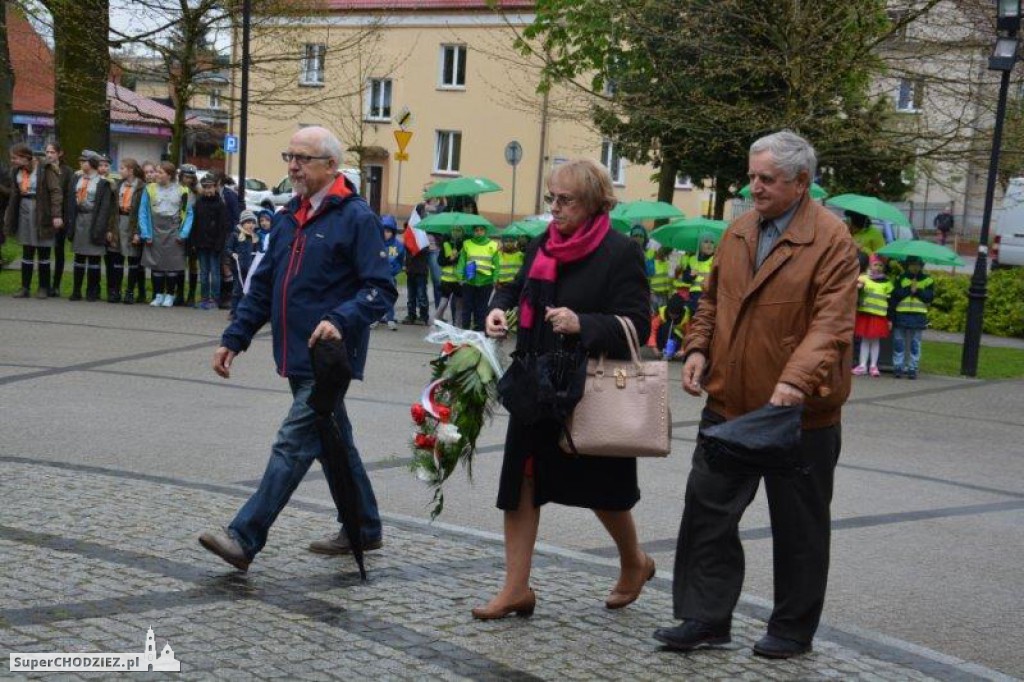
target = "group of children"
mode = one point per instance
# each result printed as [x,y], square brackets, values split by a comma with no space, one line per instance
[899,301]
[154,216]
[469,269]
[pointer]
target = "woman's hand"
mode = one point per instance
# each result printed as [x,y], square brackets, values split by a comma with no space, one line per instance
[496,324]
[135,240]
[110,237]
[58,223]
[563,320]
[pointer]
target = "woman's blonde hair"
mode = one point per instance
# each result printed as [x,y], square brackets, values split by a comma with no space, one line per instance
[590,182]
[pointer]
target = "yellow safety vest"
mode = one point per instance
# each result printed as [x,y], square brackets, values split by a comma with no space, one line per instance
[508,266]
[874,297]
[483,256]
[678,331]
[448,271]
[661,281]
[912,304]
[700,269]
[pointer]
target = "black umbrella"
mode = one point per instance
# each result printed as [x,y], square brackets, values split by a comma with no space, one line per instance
[333,374]
[759,443]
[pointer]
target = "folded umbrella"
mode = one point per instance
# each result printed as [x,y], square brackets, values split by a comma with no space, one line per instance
[760,443]
[332,376]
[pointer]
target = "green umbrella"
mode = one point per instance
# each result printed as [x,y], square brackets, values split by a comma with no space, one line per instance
[459,187]
[525,228]
[817,191]
[929,252]
[872,207]
[621,225]
[685,234]
[442,223]
[646,210]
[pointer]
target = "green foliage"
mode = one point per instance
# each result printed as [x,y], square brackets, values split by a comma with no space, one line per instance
[1004,306]
[694,82]
[993,362]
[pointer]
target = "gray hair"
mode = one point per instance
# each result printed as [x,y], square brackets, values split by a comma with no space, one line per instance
[326,142]
[790,152]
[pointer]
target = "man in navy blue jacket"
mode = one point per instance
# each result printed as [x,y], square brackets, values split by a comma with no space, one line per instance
[325,276]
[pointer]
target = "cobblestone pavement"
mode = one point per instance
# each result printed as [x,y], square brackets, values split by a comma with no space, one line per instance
[93,557]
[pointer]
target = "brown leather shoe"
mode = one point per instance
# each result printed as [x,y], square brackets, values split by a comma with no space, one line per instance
[336,545]
[221,543]
[523,608]
[620,598]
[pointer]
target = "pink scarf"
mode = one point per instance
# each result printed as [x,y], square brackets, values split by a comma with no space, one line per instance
[560,249]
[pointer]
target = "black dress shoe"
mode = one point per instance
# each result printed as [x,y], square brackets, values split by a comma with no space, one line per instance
[691,634]
[771,646]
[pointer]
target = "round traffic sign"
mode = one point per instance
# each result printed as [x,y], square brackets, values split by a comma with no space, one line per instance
[513,153]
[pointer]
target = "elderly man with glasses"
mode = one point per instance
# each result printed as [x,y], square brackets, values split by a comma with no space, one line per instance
[325,277]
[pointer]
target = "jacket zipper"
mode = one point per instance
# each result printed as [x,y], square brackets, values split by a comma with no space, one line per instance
[293,262]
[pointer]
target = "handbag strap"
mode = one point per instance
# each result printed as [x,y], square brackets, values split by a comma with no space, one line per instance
[631,338]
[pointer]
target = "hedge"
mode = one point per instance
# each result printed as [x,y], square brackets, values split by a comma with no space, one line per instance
[1004,305]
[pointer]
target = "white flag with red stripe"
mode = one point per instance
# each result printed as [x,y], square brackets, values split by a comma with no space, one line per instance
[415,240]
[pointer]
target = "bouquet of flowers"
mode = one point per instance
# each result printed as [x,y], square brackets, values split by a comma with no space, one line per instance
[453,407]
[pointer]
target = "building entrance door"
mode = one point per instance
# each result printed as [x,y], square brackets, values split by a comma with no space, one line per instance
[374,180]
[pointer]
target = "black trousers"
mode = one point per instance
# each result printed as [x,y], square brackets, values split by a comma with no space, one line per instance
[709,557]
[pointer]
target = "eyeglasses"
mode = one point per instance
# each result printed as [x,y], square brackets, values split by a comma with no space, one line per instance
[566,200]
[301,159]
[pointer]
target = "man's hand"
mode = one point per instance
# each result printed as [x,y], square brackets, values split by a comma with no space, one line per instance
[496,324]
[693,373]
[222,358]
[786,394]
[326,331]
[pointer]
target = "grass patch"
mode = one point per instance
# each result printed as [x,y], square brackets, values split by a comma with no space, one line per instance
[938,357]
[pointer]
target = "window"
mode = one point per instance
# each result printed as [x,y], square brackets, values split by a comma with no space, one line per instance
[898,23]
[449,149]
[683,181]
[311,71]
[453,66]
[910,96]
[378,99]
[613,162]
[215,99]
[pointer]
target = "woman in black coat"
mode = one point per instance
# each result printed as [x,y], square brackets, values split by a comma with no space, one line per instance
[576,278]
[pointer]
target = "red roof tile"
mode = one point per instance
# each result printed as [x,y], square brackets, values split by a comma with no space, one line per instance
[33,66]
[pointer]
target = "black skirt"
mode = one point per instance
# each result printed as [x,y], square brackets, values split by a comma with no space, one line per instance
[602,483]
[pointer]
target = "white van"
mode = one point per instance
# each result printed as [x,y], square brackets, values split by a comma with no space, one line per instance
[282,193]
[1008,235]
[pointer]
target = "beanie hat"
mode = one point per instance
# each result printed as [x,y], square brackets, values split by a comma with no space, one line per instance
[638,231]
[247,216]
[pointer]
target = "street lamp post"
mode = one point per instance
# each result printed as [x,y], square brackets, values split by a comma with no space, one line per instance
[243,119]
[1003,59]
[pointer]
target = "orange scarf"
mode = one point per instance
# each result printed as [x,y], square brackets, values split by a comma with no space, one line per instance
[83,189]
[126,197]
[26,180]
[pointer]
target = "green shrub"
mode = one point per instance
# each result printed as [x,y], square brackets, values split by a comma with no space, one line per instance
[1004,305]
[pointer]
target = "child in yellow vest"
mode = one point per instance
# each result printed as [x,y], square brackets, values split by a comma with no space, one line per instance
[872,323]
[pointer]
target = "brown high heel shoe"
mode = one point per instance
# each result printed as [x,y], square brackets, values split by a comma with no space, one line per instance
[523,608]
[619,599]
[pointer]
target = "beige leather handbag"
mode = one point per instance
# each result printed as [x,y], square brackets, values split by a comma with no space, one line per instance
[624,410]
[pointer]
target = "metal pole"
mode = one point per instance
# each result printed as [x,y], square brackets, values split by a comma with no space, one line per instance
[976,294]
[243,119]
[542,157]
[512,210]
[398,187]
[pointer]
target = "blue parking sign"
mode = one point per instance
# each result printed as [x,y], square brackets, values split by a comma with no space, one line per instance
[231,144]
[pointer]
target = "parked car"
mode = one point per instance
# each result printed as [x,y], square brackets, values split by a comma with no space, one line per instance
[282,193]
[1008,236]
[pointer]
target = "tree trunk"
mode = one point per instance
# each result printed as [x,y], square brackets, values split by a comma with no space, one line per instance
[667,178]
[6,85]
[721,196]
[80,30]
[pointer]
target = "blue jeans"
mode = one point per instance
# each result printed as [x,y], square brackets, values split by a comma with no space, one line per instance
[901,338]
[475,302]
[293,452]
[209,274]
[416,288]
[435,276]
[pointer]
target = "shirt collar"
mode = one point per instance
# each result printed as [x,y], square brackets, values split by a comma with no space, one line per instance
[782,221]
[318,198]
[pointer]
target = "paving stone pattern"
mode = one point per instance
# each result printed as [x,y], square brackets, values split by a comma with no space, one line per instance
[91,560]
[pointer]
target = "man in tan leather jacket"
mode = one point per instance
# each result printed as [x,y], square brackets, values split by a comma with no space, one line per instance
[774,325]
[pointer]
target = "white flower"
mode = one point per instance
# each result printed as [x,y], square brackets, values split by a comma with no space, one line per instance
[448,434]
[424,474]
